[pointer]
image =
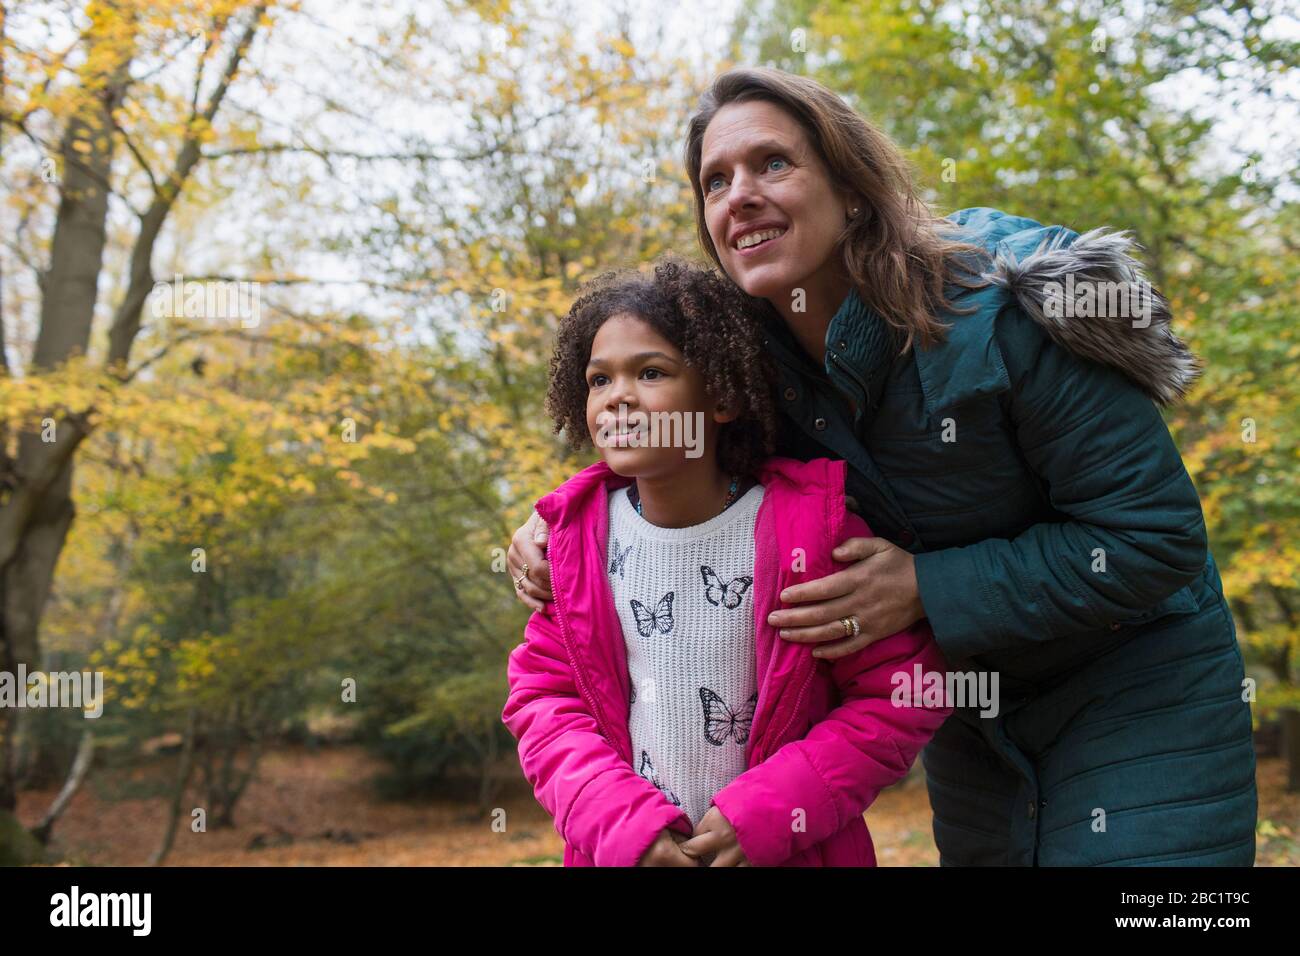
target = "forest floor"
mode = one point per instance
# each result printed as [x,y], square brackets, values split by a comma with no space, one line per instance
[317,807]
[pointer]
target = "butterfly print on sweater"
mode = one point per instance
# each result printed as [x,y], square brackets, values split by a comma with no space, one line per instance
[660,619]
[619,561]
[647,770]
[721,722]
[721,593]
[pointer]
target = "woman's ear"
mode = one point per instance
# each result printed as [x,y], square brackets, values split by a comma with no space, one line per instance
[853,207]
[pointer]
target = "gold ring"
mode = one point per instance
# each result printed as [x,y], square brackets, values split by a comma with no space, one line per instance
[853,619]
[519,581]
[847,625]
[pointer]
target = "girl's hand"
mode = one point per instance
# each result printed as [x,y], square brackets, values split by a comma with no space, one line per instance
[714,837]
[528,547]
[879,589]
[666,851]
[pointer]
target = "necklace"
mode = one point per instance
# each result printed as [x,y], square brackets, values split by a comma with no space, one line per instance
[635,496]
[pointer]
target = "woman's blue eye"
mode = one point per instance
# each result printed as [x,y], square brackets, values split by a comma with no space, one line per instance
[776,159]
[712,180]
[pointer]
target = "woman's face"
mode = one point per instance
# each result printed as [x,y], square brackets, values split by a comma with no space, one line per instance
[668,415]
[762,179]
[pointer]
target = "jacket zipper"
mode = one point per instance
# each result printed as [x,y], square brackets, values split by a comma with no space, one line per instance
[860,411]
[583,688]
[793,714]
[864,462]
[756,755]
[832,536]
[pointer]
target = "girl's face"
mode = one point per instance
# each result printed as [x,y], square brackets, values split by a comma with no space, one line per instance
[761,177]
[667,417]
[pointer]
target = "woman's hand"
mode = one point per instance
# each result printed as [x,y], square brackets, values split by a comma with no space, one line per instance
[666,851]
[715,838]
[528,547]
[879,589]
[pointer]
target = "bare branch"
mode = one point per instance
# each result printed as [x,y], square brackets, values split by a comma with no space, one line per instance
[325,154]
[307,280]
[138,158]
[126,321]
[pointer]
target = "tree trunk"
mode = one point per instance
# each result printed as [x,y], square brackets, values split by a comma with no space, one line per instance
[488,783]
[80,767]
[183,772]
[35,517]
[1290,718]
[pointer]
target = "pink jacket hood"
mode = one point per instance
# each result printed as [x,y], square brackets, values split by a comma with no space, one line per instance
[825,737]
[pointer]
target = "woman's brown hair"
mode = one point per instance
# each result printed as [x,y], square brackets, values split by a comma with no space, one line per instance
[897,253]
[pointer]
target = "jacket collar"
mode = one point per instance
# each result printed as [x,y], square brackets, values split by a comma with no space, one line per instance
[968,363]
[589,488]
[857,337]
[861,339]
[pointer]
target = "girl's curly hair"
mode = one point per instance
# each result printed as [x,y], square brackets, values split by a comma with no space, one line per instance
[712,322]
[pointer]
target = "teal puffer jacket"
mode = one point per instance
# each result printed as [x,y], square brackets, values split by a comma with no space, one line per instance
[1059,543]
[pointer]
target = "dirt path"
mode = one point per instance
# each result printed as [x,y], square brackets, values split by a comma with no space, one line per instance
[316,809]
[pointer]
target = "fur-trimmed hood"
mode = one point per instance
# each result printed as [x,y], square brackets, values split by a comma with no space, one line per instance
[1090,294]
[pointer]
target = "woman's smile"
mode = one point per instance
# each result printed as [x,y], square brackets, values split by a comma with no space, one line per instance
[753,243]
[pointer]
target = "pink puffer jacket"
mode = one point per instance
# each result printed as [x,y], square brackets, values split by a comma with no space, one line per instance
[825,737]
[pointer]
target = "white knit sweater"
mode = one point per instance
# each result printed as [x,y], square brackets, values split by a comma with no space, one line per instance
[684,601]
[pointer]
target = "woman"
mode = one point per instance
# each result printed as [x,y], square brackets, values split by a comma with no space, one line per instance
[1003,441]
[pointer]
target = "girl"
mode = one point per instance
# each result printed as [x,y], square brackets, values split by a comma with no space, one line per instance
[659,719]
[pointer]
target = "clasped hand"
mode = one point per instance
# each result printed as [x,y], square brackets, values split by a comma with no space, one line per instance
[713,843]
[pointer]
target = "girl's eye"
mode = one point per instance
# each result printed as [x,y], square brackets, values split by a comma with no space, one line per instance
[598,379]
